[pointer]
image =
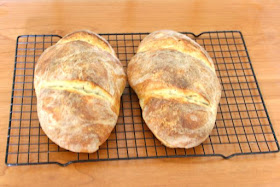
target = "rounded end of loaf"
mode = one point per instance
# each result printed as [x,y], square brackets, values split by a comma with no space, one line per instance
[168,39]
[183,142]
[89,37]
[177,124]
[73,121]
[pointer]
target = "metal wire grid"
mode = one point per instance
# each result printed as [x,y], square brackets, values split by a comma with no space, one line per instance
[242,127]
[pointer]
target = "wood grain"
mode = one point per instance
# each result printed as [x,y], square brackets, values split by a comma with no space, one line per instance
[259,22]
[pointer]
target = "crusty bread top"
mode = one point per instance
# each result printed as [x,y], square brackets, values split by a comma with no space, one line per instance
[67,61]
[167,39]
[89,37]
[173,75]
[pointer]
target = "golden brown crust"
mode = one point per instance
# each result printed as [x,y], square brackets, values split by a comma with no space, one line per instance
[177,87]
[78,87]
[89,37]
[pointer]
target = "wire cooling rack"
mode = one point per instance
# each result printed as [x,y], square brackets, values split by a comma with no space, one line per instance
[242,127]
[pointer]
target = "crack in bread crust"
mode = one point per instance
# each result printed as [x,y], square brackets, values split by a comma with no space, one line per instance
[175,94]
[82,87]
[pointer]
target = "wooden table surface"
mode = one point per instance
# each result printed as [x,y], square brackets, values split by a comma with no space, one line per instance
[259,22]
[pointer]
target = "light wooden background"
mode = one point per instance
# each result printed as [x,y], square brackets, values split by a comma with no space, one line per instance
[259,22]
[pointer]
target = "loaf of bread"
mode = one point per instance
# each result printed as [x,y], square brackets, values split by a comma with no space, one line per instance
[78,83]
[178,90]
